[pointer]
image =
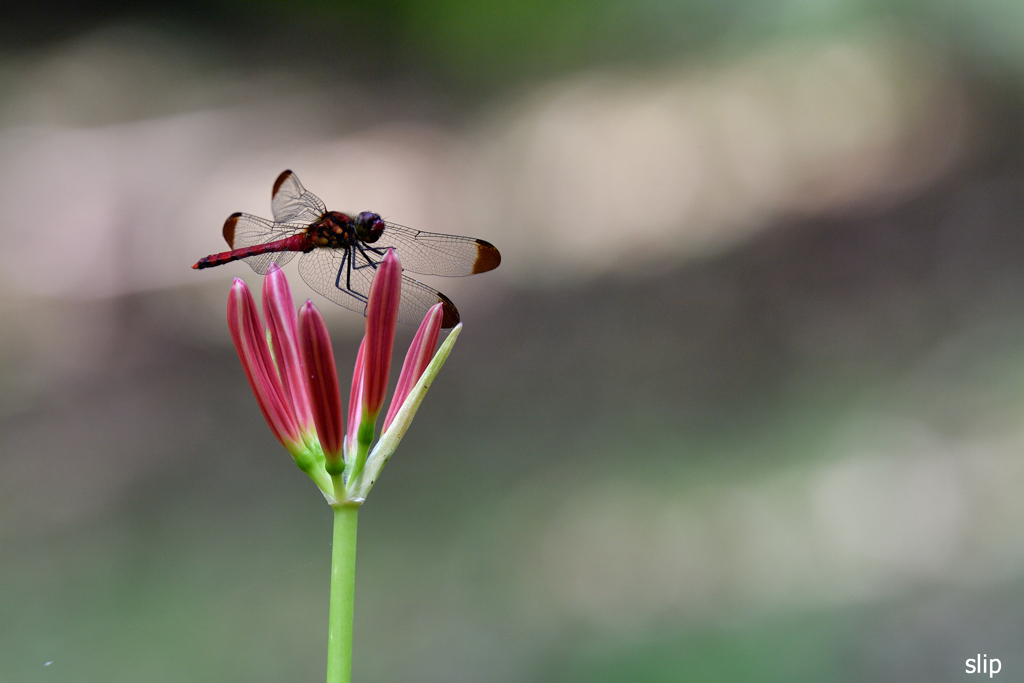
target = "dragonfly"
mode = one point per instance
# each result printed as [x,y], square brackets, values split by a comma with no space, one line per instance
[341,252]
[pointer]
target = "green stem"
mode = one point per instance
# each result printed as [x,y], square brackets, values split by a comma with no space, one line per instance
[343,585]
[338,482]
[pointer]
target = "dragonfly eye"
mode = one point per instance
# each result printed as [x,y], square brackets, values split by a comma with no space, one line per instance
[369,227]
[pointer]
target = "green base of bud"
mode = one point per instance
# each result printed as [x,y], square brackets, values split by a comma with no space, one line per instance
[366,430]
[306,461]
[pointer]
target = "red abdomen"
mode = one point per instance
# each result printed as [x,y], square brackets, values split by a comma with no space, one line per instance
[298,242]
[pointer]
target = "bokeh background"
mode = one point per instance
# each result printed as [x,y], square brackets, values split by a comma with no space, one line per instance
[743,402]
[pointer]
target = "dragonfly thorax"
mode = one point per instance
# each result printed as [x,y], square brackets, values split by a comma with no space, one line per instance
[334,230]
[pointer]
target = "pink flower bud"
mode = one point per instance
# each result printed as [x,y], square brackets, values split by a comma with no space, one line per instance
[322,385]
[251,344]
[355,402]
[381,320]
[279,314]
[421,351]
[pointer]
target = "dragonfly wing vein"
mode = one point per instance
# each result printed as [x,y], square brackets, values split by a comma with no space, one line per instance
[248,230]
[433,253]
[292,203]
[261,263]
[325,269]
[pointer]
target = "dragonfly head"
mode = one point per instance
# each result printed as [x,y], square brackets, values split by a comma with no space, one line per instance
[369,227]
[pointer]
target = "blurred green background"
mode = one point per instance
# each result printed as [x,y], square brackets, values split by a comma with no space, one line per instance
[743,401]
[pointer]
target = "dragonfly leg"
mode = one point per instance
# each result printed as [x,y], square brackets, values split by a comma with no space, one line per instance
[379,251]
[346,268]
[370,263]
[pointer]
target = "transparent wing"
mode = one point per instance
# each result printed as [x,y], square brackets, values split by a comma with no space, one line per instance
[344,277]
[245,230]
[431,253]
[292,203]
[262,262]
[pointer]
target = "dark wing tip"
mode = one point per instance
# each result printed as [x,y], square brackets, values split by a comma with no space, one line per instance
[285,175]
[229,229]
[487,257]
[450,315]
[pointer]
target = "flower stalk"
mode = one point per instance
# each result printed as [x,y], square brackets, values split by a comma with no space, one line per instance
[343,591]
